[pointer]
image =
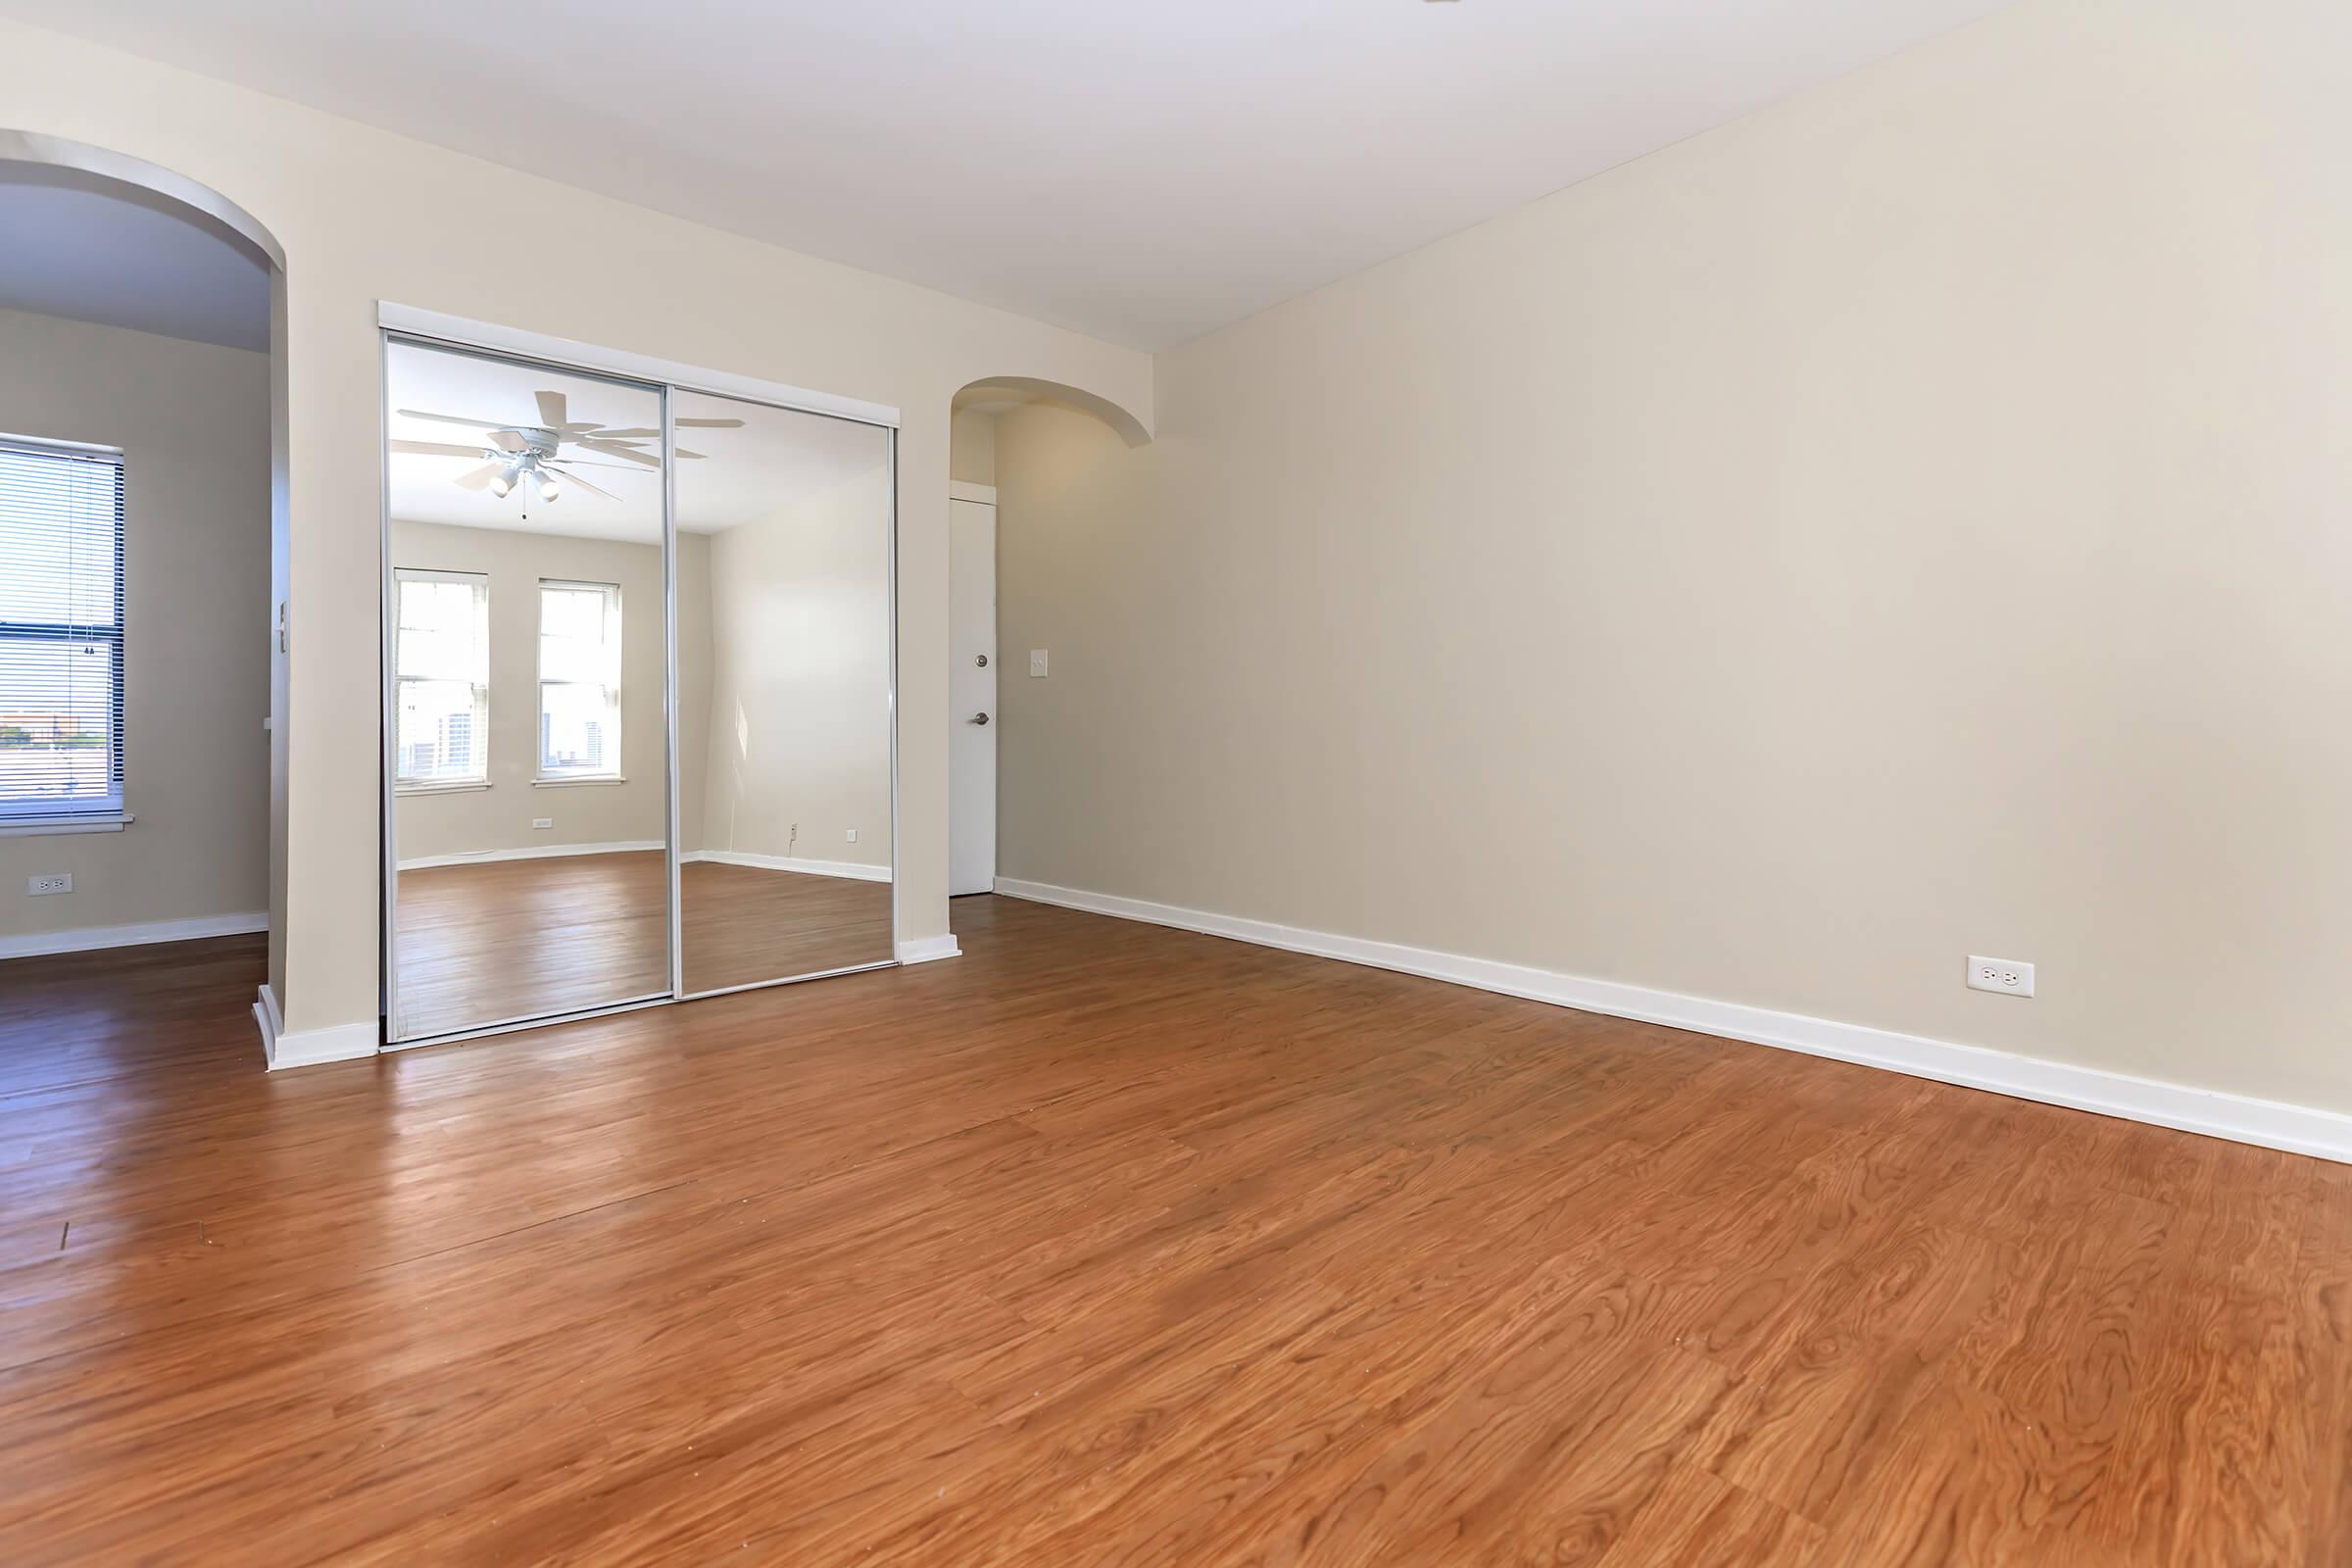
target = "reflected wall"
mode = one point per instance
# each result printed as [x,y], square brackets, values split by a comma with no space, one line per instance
[786,837]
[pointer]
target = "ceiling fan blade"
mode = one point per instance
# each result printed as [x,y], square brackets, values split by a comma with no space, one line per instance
[569,478]
[591,463]
[509,441]
[684,453]
[433,449]
[476,478]
[555,408]
[708,425]
[451,418]
[633,433]
[613,449]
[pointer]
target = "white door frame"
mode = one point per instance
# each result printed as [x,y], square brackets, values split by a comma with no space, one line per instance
[966,815]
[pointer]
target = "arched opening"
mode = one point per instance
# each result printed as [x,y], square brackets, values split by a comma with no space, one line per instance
[1008,437]
[144,548]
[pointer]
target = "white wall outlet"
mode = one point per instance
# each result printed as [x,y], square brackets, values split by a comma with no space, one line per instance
[56,882]
[2004,977]
[543,821]
[852,835]
[1037,662]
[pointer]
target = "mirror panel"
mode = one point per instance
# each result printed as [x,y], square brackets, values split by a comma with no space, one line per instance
[785,830]
[527,667]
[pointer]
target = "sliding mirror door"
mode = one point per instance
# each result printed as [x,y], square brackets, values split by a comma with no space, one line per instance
[784,669]
[527,670]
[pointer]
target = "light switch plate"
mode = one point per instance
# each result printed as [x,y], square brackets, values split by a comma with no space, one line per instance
[1037,662]
[852,835]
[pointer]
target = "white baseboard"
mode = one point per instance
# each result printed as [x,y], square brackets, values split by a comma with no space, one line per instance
[272,1022]
[2267,1123]
[780,863]
[536,852]
[90,938]
[925,950]
[346,1041]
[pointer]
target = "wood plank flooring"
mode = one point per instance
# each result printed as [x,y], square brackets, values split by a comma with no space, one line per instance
[1109,1245]
[518,939]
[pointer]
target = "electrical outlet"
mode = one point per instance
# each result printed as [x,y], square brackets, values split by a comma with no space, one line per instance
[543,821]
[1037,662]
[2004,977]
[852,835]
[59,882]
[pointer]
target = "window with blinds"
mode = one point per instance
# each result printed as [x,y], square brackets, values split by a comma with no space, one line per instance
[61,631]
[580,680]
[441,669]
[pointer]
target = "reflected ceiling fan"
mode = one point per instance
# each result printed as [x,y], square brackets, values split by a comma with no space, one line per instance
[516,454]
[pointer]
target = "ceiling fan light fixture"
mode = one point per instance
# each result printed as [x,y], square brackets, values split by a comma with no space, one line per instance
[503,484]
[548,488]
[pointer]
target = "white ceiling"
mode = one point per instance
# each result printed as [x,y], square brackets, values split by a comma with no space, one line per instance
[89,249]
[777,458]
[1141,172]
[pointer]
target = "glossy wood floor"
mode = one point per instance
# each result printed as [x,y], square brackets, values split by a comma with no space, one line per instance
[1109,1245]
[520,939]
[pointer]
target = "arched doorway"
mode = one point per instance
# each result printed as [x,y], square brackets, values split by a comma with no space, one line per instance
[984,681]
[140,274]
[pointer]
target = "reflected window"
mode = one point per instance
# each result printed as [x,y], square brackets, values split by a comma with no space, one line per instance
[443,660]
[580,680]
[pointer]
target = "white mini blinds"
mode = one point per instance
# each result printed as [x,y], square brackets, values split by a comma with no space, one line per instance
[443,674]
[580,680]
[61,631]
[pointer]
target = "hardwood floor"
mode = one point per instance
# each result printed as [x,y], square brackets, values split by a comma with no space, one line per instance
[519,939]
[1112,1244]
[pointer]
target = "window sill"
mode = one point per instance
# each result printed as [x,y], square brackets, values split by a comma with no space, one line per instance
[14,827]
[567,783]
[439,789]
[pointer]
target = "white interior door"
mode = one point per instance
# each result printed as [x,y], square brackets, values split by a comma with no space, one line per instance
[972,696]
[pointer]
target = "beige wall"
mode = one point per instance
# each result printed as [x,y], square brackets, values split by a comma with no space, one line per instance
[365,215]
[972,447]
[797,731]
[1909,522]
[438,824]
[193,421]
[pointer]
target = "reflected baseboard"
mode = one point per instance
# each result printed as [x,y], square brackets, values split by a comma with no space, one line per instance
[536,852]
[782,862]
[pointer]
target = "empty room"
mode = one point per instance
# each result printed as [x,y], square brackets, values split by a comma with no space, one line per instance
[1410,782]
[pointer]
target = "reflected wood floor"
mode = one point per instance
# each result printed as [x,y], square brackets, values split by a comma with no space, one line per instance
[520,939]
[743,924]
[1110,1244]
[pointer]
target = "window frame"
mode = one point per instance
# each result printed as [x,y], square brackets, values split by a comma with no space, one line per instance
[83,813]
[611,772]
[479,581]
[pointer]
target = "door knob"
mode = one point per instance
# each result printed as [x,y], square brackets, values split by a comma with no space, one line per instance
[983,661]
[979,718]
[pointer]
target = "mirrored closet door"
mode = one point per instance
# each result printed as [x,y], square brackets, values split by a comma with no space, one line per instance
[639,667]
[527,671]
[784,676]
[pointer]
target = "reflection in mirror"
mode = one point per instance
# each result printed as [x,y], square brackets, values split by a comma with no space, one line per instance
[527,663]
[784,716]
